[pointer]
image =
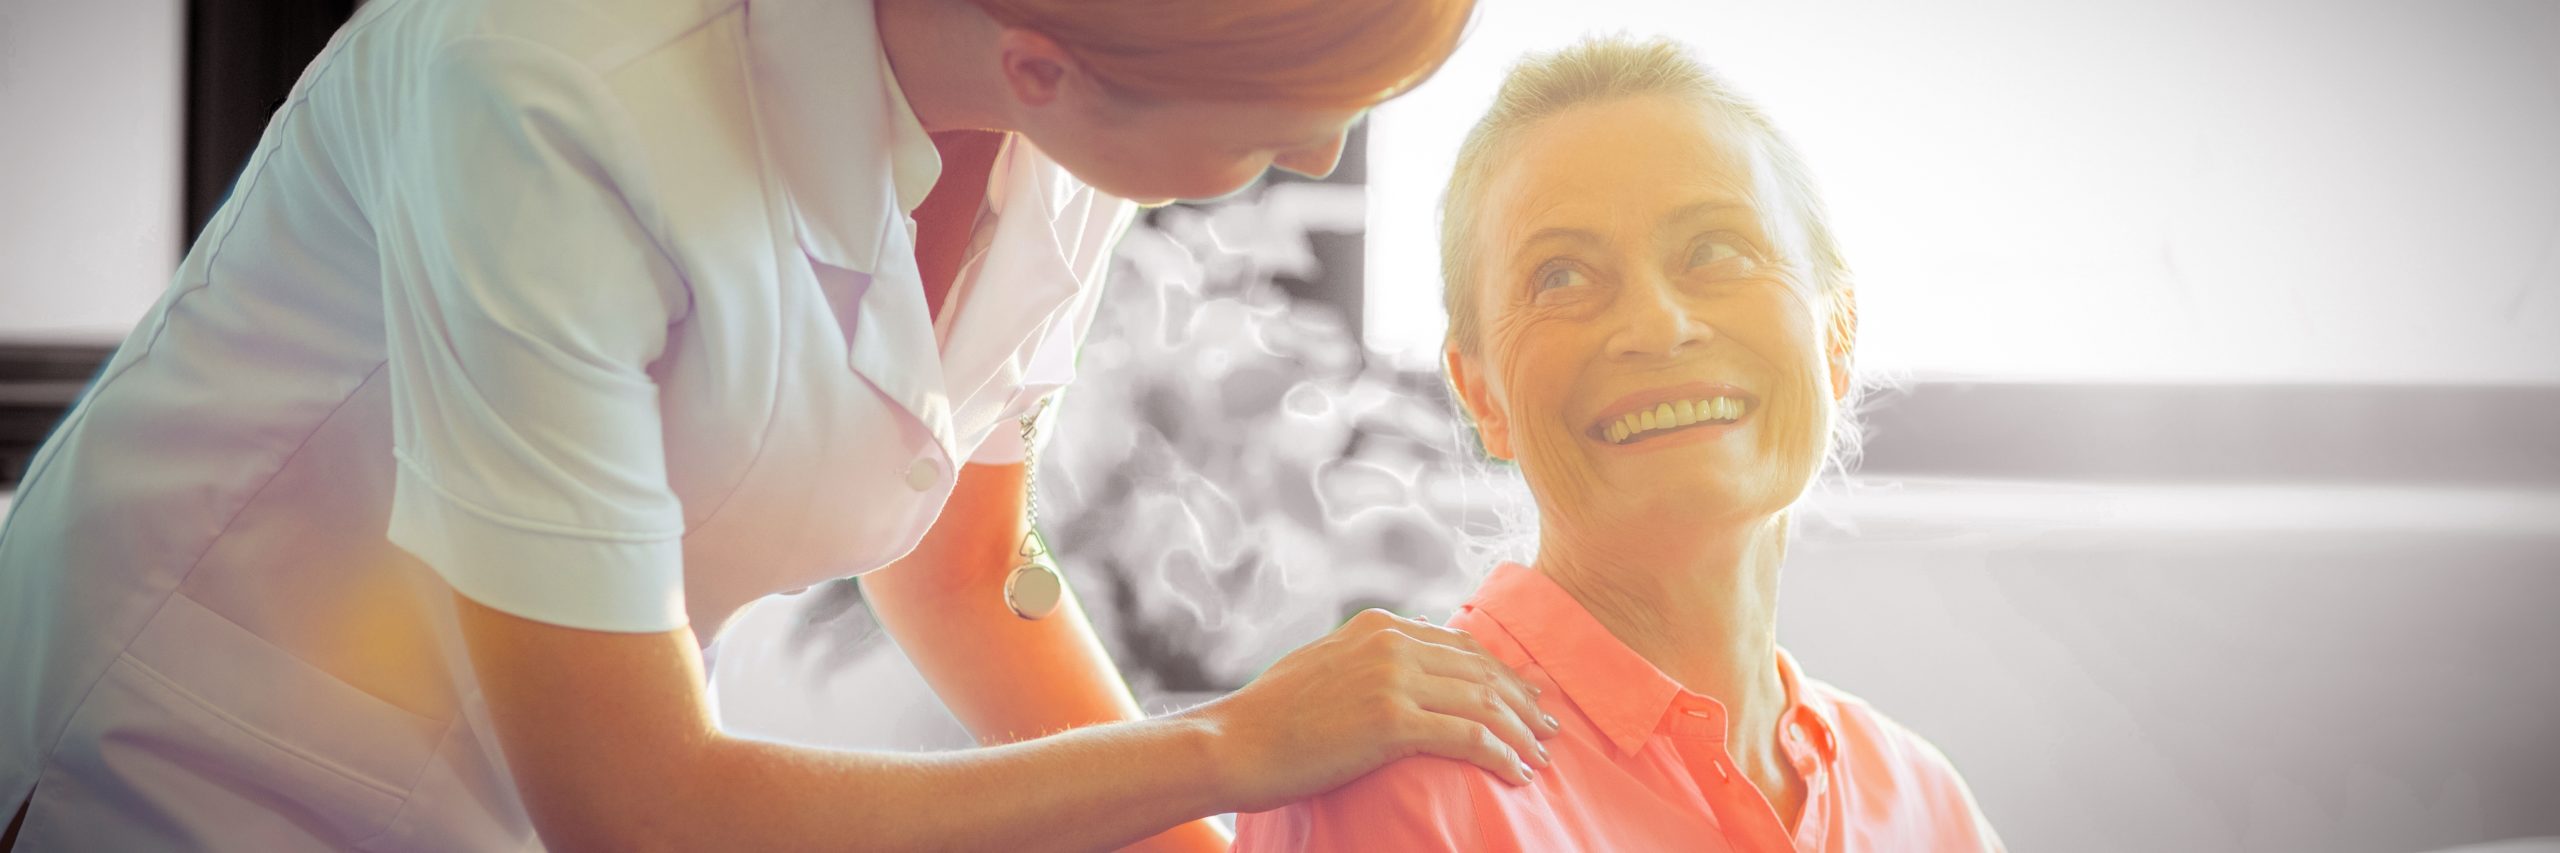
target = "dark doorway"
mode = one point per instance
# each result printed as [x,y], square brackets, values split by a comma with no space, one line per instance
[242,59]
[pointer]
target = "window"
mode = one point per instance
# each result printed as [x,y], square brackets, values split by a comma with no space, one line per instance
[2122,191]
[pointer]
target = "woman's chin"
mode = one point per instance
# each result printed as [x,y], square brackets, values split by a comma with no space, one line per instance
[1663,491]
[1673,501]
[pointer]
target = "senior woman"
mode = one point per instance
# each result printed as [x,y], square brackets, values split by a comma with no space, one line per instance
[1648,315]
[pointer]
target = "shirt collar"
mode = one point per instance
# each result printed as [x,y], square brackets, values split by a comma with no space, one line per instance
[1623,695]
[838,124]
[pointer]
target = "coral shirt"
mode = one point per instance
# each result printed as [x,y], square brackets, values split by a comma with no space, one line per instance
[1641,764]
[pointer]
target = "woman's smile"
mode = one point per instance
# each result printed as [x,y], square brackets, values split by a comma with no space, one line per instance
[1672,416]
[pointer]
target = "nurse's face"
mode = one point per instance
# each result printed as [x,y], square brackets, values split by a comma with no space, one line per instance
[1158,150]
[1650,349]
[1163,151]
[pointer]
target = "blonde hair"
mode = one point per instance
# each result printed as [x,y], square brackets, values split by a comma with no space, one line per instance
[1321,53]
[1606,68]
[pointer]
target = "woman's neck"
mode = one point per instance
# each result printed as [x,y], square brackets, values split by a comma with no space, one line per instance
[944,55]
[1702,607]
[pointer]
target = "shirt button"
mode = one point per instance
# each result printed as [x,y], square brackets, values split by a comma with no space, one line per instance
[920,476]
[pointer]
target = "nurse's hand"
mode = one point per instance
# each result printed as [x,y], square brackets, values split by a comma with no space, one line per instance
[1377,689]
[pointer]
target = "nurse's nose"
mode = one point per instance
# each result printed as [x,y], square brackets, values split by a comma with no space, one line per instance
[1314,161]
[1652,320]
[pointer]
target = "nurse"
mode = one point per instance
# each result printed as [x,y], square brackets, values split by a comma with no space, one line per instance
[538,337]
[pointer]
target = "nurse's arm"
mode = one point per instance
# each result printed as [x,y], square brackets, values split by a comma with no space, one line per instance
[1007,678]
[610,739]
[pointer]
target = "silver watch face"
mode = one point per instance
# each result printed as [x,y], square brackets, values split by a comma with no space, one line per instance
[1033,590]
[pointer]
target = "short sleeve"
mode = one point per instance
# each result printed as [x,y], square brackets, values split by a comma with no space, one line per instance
[524,301]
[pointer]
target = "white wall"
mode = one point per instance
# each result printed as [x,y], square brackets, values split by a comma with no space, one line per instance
[2177,191]
[91,99]
[2213,669]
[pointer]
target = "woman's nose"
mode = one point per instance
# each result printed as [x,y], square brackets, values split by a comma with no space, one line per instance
[1652,320]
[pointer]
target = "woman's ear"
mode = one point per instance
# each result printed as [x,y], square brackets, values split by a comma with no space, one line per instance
[1841,340]
[1476,395]
[1035,67]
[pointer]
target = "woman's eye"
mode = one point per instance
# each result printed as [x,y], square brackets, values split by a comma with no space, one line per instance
[1555,277]
[1710,251]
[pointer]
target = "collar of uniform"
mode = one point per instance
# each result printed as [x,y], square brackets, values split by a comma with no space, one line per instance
[837,122]
[1026,273]
[854,160]
[1025,173]
[1623,694]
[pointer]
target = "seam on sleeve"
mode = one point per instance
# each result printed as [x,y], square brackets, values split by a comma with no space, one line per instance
[418,471]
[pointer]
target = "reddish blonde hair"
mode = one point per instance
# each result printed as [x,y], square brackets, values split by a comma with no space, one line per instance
[1320,53]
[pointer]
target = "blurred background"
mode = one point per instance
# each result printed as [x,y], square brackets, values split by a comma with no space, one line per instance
[2214,504]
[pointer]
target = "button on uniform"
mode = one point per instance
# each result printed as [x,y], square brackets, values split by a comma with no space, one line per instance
[921,475]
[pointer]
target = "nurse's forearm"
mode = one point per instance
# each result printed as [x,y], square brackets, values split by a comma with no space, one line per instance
[1007,678]
[1091,789]
[611,743]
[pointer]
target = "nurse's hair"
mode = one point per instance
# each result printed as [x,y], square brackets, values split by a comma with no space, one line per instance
[1607,68]
[1317,53]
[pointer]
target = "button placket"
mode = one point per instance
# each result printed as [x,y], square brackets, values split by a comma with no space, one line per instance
[1698,723]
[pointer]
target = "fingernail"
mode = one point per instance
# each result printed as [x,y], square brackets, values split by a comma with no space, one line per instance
[1550,719]
[1543,760]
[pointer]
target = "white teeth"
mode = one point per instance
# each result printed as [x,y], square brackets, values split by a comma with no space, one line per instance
[1672,415]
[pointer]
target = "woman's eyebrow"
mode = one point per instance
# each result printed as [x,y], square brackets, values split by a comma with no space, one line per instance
[1681,216]
[1702,209]
[1554,234]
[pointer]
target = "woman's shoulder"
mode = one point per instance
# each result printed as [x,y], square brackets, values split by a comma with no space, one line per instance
[1896,769]
[1419,803]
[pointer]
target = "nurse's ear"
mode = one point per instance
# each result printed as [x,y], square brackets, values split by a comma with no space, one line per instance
[1467,378]
[1035,67]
